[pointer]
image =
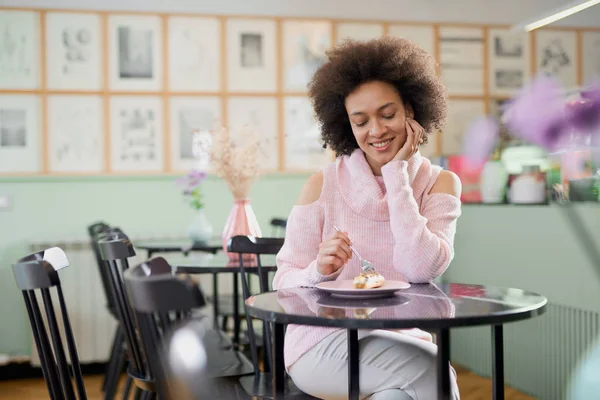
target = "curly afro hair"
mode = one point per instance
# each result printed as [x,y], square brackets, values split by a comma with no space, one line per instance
[397,61]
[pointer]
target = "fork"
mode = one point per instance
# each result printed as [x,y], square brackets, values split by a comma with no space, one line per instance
[366,266]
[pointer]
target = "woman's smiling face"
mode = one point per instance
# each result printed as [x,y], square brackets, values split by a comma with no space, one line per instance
[378,118]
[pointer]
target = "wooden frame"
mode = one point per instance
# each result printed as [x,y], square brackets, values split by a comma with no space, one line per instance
[224,94]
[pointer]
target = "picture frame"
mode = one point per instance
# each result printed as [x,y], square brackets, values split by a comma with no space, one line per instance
[20,134]
[509,61]
[461,60]
[76,134]
[187,115]
[20,52]
[194,54]
[303,146]
[136,134]
[251,55]
[590,57]
[556,54]
[135,53]
[261,115]
[304,45]
[423,35]
[461,113]
[358,31]
[74,46]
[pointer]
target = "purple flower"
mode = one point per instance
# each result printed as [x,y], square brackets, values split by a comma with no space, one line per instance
[584,114]
[480,139]
[197,175]
[537,114]
[191,180]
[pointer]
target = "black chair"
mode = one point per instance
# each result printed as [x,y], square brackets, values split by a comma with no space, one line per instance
[117,360]
[114,250]
[160,299]
[259,385]
[278,226]
[38,271]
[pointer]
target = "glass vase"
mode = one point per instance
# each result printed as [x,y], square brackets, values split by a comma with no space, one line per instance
[241,221]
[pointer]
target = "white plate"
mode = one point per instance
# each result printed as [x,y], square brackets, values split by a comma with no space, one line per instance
[345,289]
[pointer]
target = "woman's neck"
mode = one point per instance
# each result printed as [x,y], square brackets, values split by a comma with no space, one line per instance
[374,165]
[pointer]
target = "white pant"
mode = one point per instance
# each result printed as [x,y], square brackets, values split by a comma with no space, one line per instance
[392,365]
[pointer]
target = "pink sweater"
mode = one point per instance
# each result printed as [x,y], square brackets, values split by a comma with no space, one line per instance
[393,221]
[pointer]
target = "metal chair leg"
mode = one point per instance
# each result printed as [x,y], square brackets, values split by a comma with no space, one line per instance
[127,388]
[115,364]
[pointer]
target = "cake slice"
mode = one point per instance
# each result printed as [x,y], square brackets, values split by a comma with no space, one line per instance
[368,280]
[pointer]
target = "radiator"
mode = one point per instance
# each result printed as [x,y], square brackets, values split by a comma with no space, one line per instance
[540,354]
[93,326]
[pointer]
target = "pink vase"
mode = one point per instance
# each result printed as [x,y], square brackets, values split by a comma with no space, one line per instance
[241,221]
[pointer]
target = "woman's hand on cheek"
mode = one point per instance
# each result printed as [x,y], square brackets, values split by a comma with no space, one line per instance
[414,137]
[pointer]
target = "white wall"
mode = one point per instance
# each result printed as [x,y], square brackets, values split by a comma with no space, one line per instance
[475,11]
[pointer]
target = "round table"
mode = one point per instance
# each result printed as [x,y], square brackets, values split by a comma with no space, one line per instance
[215,270]
[176,246]
[430,307]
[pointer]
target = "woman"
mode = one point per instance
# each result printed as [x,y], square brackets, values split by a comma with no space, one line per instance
[375,102]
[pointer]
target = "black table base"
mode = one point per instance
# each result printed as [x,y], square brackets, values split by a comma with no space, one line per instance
[443,364]
[353,365]
[498,362]
[278,360]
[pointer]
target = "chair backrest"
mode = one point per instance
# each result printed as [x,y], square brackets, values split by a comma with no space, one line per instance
[36,272]
[256,246]
[160,299]
[100,231]
[115,249]
[278,225]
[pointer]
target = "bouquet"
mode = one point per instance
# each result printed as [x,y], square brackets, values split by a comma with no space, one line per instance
[191,187]
[235,161]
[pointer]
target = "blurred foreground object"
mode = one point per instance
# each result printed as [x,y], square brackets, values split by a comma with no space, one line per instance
[186,360]
[585,384]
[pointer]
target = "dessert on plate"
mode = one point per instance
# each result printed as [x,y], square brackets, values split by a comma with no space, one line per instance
[363,313]
[368,280]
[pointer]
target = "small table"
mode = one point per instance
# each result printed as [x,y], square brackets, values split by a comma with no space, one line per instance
[193,268]
[427,306]
[178,246]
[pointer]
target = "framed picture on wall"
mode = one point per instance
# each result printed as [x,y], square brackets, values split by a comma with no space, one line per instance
[461,60]
[188,115]
[556,54]
[259,114]
[136,134]
[304,46]
[591,56]
[19,49]
[75,133]
[461,114]
[194,54]
[20,133]
[357,30]
[303,146]
[251,55]
[423,35]
[135,53]
[508,61]
[73,51]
